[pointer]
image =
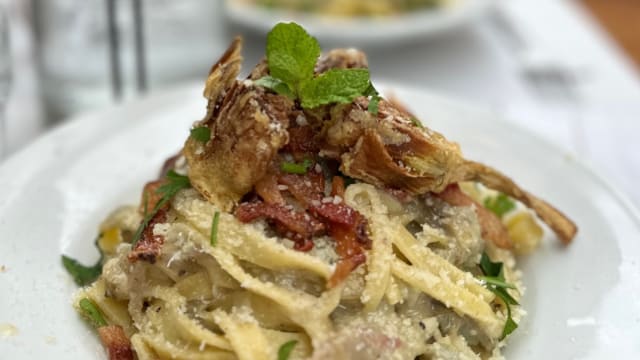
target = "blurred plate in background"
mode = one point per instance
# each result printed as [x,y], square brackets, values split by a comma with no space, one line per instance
[360,30]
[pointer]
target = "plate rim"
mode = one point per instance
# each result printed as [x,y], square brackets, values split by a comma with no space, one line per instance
[330,29]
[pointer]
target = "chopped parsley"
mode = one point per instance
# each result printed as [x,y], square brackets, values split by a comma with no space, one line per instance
[201,134]
[285,349]
[493,280]
[174,183]
[500,204]
[292,54]
[214,228]
[295,168]
[83,275]
[92,313]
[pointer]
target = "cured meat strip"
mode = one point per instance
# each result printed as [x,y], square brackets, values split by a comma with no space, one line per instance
[116,341]
[492,228]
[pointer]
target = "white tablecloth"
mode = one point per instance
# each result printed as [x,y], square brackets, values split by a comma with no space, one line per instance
[598,123]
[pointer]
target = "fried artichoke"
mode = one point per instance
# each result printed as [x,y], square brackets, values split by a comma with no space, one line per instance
[249,124]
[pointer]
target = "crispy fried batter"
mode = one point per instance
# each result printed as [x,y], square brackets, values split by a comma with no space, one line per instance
[557,221]
[389,150]
[248,127]
[222,74]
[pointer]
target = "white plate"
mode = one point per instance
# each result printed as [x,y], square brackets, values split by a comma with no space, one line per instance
[583,301]
[360,32]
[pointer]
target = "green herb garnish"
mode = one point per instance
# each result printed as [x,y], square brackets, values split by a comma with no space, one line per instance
[493,280]
[294,168]
[276,85]
[214,228]
[285,349]
[174,183]
[374,99]
[509,326]
[334,86]
[292,54]
[500,204]
[83,275]
[417,123]
[496,281]
[201,133]
[91,312]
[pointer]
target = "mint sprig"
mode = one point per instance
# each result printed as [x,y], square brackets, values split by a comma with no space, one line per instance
[292,54]
[334,86]
[494,281]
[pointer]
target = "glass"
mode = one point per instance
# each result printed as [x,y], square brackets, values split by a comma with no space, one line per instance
[72,38]
[5,78]
[92,52]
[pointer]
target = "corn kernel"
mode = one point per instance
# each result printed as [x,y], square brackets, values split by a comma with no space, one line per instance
[110,240]
[524,231]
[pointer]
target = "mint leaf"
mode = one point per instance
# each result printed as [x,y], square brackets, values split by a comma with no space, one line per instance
[291,54]
[335,86]
[285,349]
[276,85]
[500,204]
[201,133]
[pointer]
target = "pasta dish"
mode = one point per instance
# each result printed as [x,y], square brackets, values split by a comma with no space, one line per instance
[308,217]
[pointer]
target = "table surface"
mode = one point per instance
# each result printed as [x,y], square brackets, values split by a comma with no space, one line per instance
[621,19]
[594,118]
